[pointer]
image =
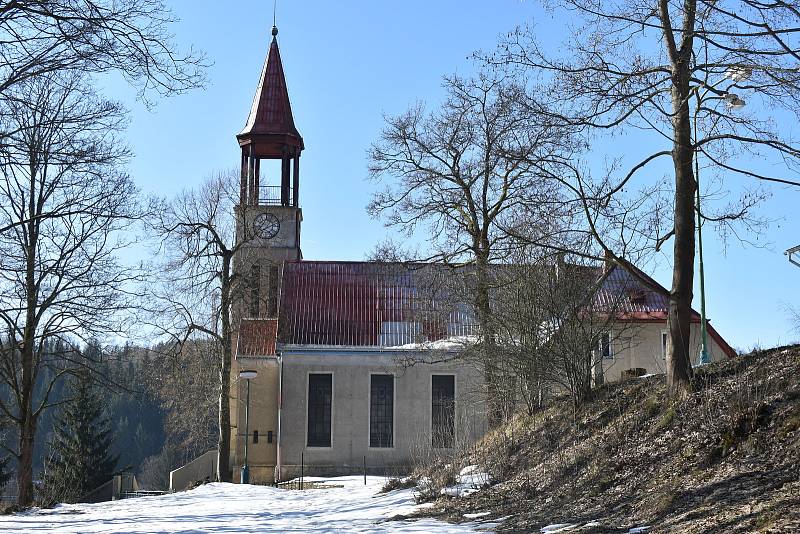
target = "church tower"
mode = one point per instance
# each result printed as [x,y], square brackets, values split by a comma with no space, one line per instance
[268,218]
[269,213]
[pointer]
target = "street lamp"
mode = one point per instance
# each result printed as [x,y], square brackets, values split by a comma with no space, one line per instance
[247,375]
[734,103]
[791,252]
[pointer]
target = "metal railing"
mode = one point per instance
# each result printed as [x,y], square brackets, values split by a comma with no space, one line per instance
[141,493]
[270,195]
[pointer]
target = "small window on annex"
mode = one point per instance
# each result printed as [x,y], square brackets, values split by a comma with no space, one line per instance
[605,346]
[664,341]
[320,397]
[443,411]
[381,411]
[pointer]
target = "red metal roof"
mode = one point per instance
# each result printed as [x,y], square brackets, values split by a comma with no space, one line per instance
[271,113]
[375,304]
[630,297]
[366,304]
[638,297]
[257,337]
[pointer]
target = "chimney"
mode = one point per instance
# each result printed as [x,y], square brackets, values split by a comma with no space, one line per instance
[608,261]
[560,265]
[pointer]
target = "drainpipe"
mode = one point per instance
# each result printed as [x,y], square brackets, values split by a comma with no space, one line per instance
[279,474]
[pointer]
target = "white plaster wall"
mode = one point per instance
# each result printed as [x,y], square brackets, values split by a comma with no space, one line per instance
[350,412]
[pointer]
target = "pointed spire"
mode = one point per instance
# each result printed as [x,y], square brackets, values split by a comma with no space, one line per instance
[271,119]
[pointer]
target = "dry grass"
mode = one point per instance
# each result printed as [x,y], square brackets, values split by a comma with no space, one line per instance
[723,458]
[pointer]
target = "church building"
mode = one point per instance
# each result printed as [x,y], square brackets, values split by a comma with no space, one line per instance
[329,346]
[328,390]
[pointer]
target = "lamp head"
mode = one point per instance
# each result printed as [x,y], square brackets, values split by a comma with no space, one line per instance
[734,102]
[739,73]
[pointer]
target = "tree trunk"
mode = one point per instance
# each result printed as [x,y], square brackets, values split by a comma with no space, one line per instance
[679,368]
[224,443]
[27,425]
[494,407]
[27,431]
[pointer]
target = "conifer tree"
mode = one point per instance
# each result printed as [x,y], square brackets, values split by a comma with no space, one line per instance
[4,473]
[80,458]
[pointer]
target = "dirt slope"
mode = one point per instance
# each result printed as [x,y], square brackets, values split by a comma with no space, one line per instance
[726,459]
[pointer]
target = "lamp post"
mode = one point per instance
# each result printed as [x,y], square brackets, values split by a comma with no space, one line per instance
[733,103]
[791,252]
[247,375]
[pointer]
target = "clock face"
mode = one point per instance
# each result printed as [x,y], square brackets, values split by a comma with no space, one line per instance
[266,225]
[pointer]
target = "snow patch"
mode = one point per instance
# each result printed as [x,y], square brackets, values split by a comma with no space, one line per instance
[568,527]
[477,514]
[470,480]
[347,505]
[559,527]
[450,343]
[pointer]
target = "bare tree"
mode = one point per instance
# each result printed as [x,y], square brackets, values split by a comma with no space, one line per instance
[680,70]
[200,283]
[460,174]
[129,36]
[67,204]
[183,383]
[552,327]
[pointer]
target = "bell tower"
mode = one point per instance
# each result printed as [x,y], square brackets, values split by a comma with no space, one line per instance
[268,218]
[269,214]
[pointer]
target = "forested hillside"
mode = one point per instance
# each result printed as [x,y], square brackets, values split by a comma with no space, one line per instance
[161,406]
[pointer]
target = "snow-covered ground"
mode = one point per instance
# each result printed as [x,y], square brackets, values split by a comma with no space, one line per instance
[231,508]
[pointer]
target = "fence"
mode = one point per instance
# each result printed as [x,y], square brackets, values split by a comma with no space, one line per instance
[301,483]
[140,493]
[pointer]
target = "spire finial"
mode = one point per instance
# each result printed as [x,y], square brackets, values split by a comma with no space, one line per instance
[274,19]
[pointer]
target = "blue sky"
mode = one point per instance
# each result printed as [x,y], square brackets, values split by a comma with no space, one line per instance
[348,63]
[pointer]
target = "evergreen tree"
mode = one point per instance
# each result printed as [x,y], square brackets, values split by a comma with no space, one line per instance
[80,458]
[4,474]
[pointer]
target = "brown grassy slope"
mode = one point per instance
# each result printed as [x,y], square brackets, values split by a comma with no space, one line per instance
[726,459]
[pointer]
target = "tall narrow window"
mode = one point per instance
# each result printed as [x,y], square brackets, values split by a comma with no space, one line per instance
[605,346]
[255,289]
[272,302]
[320,396]
[664,340]
[443,411]
[381,411]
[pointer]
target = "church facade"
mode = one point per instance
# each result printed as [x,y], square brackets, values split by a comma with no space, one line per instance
[329,390]
[334,347]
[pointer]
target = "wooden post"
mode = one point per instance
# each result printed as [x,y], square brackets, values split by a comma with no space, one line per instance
[243,185]
[285,188]
[257,181]
[251,170]
[296,195]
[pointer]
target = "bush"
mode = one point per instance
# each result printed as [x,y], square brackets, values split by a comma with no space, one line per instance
[396,483]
